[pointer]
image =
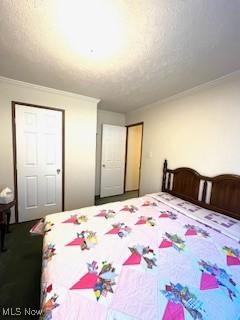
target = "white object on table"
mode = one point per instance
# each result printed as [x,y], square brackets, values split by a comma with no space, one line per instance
[6,196]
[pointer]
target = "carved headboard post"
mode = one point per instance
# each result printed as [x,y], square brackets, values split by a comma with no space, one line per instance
[164,175]
[204,193]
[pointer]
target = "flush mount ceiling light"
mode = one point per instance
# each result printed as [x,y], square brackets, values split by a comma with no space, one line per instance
[92,28]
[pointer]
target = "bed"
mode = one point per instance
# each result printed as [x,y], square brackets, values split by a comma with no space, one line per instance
[171,255]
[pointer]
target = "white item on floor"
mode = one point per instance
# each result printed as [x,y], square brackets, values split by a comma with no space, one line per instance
[38,228]
[6,196]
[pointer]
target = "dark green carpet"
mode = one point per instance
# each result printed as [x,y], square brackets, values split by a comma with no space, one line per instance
[20,270]
[125,196]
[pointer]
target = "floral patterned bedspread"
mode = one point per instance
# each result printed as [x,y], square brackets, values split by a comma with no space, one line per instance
[226,225]
[137,259]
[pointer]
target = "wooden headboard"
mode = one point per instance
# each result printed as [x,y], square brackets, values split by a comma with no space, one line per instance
[220,193]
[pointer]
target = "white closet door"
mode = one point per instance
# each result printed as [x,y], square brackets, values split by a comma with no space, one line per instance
[113,160]
[39,161]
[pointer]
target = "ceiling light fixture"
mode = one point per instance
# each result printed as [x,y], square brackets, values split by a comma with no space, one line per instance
[92,27]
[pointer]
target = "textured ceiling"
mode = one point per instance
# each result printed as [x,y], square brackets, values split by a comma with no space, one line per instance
[164,47]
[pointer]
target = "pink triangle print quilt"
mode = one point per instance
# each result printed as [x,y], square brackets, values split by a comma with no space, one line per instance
[140,259]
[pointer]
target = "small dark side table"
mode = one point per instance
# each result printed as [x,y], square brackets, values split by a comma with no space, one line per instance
[5,214]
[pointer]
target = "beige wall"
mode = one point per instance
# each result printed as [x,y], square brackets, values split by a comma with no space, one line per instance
[105,117]
[133,157]
[199,128]
[80,137]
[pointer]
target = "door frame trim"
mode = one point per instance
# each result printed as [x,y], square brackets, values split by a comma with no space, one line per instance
[140,167]
[14,143]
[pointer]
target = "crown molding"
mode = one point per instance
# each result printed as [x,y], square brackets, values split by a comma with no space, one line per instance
[188,92]
[47,89]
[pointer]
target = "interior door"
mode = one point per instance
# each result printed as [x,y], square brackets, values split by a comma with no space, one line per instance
[39,161]
[113,160]
[133,159]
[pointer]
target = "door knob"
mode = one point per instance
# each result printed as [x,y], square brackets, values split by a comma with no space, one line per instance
[104,166]
[58,171]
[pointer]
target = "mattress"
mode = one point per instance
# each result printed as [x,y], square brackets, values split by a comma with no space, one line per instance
[144,258]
